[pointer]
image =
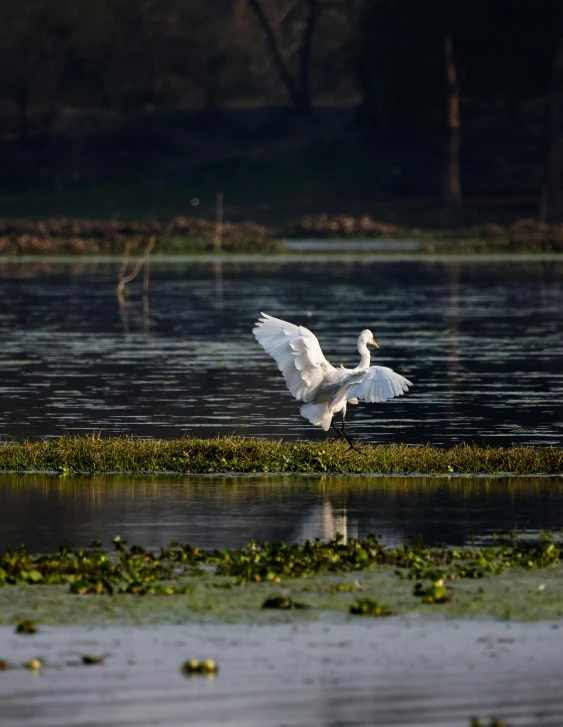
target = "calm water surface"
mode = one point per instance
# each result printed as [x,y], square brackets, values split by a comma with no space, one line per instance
[216,512]
[481,340]
[360,673]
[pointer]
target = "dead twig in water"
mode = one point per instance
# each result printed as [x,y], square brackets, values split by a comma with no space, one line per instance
[125,277]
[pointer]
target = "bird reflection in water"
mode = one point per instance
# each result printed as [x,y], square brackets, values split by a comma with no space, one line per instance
[324,521]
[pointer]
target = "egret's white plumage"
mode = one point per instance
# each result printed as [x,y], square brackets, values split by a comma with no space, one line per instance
[326,390]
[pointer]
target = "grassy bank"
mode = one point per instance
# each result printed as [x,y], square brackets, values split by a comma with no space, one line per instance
[240,454]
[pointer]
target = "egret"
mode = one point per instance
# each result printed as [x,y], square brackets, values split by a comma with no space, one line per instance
[326,390]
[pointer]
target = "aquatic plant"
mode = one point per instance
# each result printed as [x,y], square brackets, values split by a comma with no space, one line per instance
[284,603]
[436,593]
[137,571]
[34,664]
[194,666]
[27,626]
[90,454]
[281,602]
[369,607]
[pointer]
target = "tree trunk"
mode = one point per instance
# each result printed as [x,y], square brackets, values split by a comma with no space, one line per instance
[24,93]
[553,192]
[211,116]
[276,51]
[213,70]
[304,92]
[55,52]
[23,110]
[52,87]
[299,91]
[452,186]
[370,114]
[154,74]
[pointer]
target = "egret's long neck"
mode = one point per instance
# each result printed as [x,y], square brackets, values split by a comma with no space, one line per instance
[364,353]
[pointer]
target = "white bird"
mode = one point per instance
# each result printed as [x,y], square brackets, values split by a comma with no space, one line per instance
[326,390]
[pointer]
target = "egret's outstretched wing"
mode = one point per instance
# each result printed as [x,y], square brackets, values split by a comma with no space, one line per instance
[377,383]
[296,352]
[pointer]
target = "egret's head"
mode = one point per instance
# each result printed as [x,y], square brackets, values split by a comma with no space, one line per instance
[366,337]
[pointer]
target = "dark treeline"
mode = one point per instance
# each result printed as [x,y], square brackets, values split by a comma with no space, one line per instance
[402,64]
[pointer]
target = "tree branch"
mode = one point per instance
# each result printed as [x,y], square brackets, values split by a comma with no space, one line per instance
[276,50]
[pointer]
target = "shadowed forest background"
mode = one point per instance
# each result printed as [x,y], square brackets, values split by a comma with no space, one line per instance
[428,113]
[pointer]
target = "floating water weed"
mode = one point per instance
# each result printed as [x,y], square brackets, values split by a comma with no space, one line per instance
[135,571]
[27,626]
[281,602]
[90,660]
[284,602]
[368,607]
[343,588]
[436,593]
[34,664]
[192,667]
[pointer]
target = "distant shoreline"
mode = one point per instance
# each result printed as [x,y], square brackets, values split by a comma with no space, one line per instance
[309,235]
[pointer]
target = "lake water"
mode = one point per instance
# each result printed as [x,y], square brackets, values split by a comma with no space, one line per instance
[480,339]
[406,671]
[45,511]
[380,672]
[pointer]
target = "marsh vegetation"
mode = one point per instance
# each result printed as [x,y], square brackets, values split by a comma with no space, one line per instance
[519,577]
[95,454]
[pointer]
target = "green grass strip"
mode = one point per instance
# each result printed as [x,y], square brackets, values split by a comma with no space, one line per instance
[247,455]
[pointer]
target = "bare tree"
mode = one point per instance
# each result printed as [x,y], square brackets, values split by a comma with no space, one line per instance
[126,276]
[298,82]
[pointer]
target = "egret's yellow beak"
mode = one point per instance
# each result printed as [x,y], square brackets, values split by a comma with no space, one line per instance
[374,343]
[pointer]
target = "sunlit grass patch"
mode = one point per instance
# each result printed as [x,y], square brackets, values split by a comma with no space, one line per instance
[247,455]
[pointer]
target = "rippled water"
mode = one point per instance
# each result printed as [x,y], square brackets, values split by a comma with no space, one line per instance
[481,340]
[45,511]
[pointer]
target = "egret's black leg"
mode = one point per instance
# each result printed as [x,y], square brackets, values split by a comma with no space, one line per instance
[346,437]
[336,429]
